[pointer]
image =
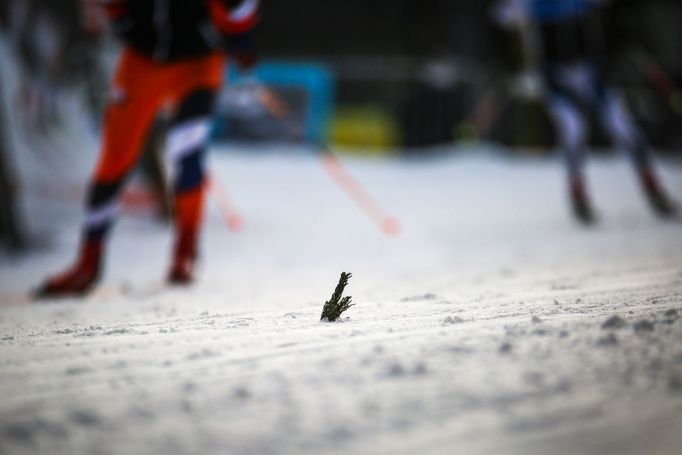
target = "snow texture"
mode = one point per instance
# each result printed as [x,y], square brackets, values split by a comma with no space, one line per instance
[492,324]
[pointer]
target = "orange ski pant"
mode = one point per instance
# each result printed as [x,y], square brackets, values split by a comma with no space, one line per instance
[140,89]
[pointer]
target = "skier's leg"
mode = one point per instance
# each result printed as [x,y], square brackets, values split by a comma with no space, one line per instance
[127,120]
[186,148]
[572,130]
[622,130]
[626,136]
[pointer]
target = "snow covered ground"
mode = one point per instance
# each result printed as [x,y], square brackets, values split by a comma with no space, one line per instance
[482,328]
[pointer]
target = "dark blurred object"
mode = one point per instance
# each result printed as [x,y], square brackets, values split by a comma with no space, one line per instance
[11,230]
[629,40]
[435,105]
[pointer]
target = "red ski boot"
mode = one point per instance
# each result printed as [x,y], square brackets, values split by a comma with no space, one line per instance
[76,281]
[658,201]
[184,260]
[580,203]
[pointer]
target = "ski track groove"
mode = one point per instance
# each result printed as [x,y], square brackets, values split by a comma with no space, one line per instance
[400,330]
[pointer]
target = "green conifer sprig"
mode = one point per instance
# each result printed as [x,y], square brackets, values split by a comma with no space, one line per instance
[334,307]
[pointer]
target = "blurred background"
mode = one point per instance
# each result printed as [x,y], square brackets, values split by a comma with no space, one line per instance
[380,77]
[412,73]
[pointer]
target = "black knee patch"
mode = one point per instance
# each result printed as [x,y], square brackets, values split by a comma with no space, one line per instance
[198,103]
[101,193]
[190,172]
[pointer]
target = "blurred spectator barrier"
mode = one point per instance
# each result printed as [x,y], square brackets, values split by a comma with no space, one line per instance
[278,101]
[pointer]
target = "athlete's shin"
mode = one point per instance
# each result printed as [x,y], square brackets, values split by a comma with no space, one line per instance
[189,202]
[188,220]
[186,144]
[102,207]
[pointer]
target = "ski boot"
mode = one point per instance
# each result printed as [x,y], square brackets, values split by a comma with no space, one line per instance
[658,200]
[77,281]
[182,271]
[581,204]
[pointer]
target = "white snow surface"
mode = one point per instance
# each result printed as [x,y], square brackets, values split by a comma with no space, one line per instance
[477,330]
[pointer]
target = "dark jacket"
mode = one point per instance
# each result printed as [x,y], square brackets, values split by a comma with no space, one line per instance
[172,30]
[569,30]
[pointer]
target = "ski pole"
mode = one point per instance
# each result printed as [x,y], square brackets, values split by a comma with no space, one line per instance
[387,224]
[233,219]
